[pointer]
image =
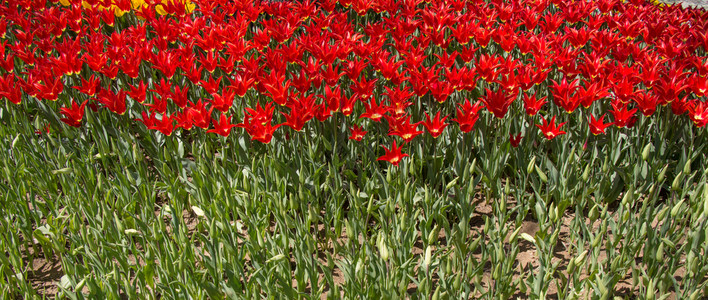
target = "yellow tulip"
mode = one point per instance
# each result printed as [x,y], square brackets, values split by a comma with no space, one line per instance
[136,5]
[189,6]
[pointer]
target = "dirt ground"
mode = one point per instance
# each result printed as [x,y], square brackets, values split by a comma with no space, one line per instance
[46,273]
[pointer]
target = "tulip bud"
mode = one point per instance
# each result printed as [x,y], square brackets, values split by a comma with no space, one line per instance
[594,213]
[433,235]
[436,295]
[198,212]
[136,156]
[370,204]
[451,183]
[131,232]
[687,167]
[676,209]
[662,214]
[571,266]
[596,241]
[513,235]
[690,257]
[383,249]
[650,290]
[276,258]
[291,201]
[675,186]
[246,185]
[470,266]
[427,258]
[646,151]
[581,258]
[542,175]
[475,243]
[311,217]
[660,252]
[487,225]
[531,165]
[427,197]
[528,237]
[586,173]
[662,174]
[502,204]
[422,286]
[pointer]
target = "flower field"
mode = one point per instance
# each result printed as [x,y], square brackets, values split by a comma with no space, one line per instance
[326,149]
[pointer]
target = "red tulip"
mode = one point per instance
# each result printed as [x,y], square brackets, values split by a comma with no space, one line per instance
[549,129]
[199,114]
[468,115]
[9,89]
[597,126]
[515,140]
[138,93]
[374,111]
[164,125]
[258,123]
[532,104]
[222,126]
[403,128]
[114,102]
[51,89]
[646,102]
[563,93]
[74,114]
[179,96]
[498,102]
[357,133]
[210,85]
[393,155]
[436,125]
[698,113]
[301,111]
[624,117]
[224,100]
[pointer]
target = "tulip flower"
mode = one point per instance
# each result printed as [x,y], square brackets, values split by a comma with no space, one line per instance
[549,129]
[393,155]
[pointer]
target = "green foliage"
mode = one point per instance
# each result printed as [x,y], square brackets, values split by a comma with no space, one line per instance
[132,213]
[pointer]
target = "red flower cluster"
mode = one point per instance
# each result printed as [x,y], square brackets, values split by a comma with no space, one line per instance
[310,60]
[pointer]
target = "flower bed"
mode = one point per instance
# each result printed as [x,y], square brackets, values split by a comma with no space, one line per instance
[353,149]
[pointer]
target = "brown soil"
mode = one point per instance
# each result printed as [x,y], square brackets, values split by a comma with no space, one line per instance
[46,273]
